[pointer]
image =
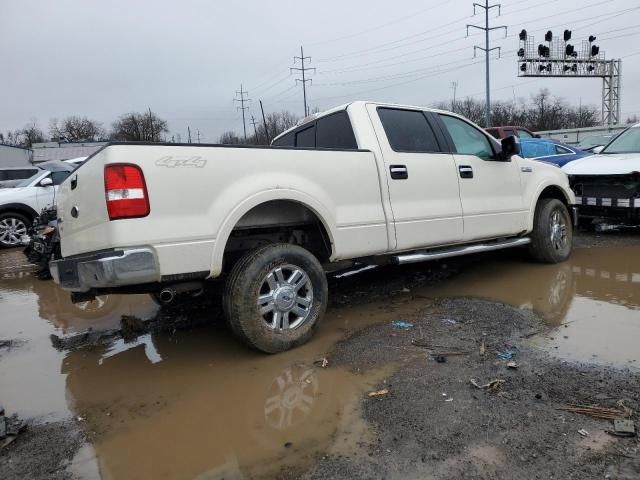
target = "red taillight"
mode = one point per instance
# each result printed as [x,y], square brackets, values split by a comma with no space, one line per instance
[126,191]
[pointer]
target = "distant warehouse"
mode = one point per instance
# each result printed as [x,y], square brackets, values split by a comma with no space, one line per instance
[46,151]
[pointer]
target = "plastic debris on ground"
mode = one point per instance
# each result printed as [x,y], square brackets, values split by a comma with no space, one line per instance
[583,432]
[506,355]
[492,385]
[512,365]
[322,363]
[400,325]
[623,428]
[449,321]
[378,393]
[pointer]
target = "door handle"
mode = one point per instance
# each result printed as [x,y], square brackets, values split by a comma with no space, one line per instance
[465,171]
[399,172]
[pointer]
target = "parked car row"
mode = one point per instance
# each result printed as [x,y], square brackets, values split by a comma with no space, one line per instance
[21,202]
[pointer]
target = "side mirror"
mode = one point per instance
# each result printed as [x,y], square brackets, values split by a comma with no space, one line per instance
[510,147]
[537,135]
[46,182]
[598,149]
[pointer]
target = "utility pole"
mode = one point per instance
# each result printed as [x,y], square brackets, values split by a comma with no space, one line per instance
[198,130]
[264,120]
[454,86]
[189,132]
[151,125]
[303,80]
[242,101]
[486,50]
[255,130]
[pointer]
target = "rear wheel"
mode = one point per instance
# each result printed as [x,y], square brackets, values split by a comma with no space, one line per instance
[275,296]
[12,227]
[552,235]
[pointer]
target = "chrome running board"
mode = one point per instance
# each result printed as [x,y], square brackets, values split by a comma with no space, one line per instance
[425,255]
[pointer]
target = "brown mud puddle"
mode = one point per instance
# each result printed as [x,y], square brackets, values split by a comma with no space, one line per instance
[592,300]
[195,404]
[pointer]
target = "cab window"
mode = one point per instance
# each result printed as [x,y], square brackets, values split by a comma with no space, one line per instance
[408,130]
[467,139]
[562,150]
[306,138]
[284,141]
[335,131]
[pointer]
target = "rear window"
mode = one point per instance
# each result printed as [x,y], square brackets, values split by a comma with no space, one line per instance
[306,138]
[562,150]
[284,141]
[335,131]
[408,130]
[524,134]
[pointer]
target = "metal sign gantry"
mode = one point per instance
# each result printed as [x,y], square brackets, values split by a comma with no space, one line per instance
[557,58]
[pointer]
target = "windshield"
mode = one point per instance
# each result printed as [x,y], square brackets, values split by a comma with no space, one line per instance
[595,140]
[627,142]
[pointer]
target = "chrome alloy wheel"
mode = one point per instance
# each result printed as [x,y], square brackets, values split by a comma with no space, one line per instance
[558,230]
[11,231]
[285,297]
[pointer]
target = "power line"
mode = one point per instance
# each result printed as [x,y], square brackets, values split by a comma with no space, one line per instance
[303,80]
[487,50]
[242,101]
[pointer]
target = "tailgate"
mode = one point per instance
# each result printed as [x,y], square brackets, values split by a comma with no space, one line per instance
[84,229]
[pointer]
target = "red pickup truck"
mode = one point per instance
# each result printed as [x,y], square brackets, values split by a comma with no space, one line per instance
[503,132]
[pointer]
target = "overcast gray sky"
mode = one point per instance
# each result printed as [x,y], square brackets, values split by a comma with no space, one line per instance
[185,59]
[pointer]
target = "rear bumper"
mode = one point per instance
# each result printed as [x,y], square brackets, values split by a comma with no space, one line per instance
[110,269]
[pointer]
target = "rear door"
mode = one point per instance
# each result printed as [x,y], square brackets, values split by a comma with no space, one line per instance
[422,179]
[490,190]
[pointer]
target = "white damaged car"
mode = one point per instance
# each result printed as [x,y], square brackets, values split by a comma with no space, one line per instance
[607,185]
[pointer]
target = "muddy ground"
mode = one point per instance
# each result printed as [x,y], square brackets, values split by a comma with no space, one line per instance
[432,422]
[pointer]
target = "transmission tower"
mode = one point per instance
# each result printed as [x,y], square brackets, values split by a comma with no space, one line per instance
[486,49]
[242,101]
[304,79]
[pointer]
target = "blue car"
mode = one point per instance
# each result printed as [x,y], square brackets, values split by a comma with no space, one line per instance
[549,150]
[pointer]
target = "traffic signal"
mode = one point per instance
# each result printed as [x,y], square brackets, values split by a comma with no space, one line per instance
[523,67]
[542,68]
[595,50]
[567,35]
[543,51]
[573,68]
[570,51]
[523,35]
[592,38]
[591,68]
[548,36]
[521,52]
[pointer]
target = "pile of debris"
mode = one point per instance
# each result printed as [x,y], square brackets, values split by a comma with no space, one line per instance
[10,428]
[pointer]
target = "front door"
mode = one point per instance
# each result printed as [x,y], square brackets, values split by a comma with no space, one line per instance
[421,177]
[490,190]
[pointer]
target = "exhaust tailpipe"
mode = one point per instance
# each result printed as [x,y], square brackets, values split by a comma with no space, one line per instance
[167,295]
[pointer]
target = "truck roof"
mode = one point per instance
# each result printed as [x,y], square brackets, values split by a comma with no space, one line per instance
[344,106]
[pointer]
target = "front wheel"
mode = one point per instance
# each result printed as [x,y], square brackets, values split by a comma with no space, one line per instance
[275,296]
[552,235]
[13,227]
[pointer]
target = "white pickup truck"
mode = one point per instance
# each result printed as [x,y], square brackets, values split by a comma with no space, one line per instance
[363,183]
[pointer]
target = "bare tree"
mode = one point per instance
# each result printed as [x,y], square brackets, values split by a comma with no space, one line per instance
[140,127]
[633,119]
[76,129]
[25,137]
[230,138]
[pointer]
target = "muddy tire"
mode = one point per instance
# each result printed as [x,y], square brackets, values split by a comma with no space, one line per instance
[552,235]
[12,227]
[275,296]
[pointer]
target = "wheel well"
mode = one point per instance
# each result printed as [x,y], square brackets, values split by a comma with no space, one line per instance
[20,208]
[278,221]
[554,192]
